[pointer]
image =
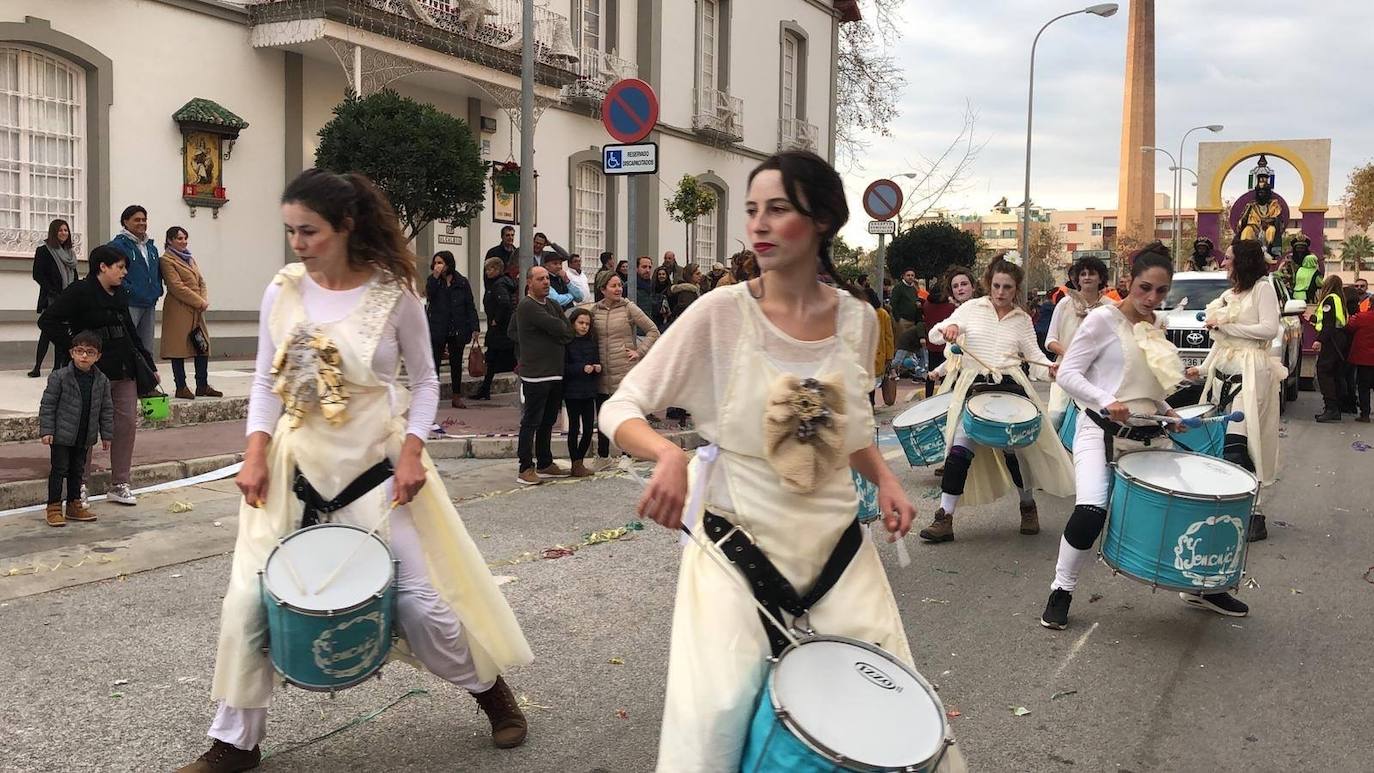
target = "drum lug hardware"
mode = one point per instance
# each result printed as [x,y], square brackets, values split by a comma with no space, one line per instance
[801,624]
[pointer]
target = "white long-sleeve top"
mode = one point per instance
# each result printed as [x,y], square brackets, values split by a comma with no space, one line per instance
[1246,317]
[1093,368]
[1064,321]
[996,342]
[404,339]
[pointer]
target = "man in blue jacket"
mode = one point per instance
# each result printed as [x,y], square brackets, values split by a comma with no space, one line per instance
[144,281]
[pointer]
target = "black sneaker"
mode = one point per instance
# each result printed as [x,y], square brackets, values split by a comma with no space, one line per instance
[1057,610]
[1221,603]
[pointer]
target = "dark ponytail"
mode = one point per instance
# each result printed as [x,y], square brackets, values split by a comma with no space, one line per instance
[807,176]
[1152,255]
[375,238]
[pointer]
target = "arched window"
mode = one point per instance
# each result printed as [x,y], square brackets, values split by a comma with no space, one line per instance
[589,211]
[42,147]
[705,249]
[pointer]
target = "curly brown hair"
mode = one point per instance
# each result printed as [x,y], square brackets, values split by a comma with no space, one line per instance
[352,202]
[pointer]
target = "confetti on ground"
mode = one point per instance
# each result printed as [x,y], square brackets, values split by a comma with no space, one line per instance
[526,702]
[1295,591]
[954,713]
[175,576]
[1251,582]
[1063,694]
[616,661]
[1094,598]
[1361,446]
[1369,575]
[557,551]
[622,714]
[217,524]
[186,679]
[1019,711]
[945,571]
[180,507]
[929,600]
[116,695]
[119,682]
[505,579]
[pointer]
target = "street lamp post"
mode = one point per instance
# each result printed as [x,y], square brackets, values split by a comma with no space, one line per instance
[1178,206]
[1101,9]
[1178,176]
[1173,188]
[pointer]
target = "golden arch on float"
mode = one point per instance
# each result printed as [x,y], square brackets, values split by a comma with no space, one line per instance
[1311,159]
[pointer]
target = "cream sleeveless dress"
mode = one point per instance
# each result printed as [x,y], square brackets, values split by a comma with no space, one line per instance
[332,441]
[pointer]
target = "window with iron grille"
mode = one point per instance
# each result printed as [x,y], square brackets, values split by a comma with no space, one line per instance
[709,24]
[589,211]
[586,18]
[707,226]
[42,147]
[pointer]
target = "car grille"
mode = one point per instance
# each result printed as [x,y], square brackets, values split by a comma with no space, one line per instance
[1191,338]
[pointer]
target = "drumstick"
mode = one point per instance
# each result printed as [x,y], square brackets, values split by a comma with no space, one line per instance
[957,349]
[1032,362]
[1192,421]
[359,546]
[291,570]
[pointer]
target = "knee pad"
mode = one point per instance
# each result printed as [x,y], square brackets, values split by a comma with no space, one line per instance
[1236,449]
[1084,525]
[956,470]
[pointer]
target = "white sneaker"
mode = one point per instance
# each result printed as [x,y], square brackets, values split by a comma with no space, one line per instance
[120,493]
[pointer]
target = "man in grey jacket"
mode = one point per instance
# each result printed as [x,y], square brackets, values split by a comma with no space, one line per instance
[541,332]
[76,406]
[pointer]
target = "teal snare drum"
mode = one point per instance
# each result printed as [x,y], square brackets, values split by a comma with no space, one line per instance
[1208,439]
[1177,520]
[1069,427]
[868,498]
[331,637]
[1001,420]
[835,704]
[921,430]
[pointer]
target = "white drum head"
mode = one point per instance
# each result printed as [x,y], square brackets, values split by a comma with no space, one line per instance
[1002,407]
[859,702]
[1186,473]
[1199,411]
[315,553]
[924,411]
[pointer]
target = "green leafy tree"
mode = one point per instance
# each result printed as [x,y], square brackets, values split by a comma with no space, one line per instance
[692,201]
[1356,249]
[425,160]
[1359,198]
[930,248]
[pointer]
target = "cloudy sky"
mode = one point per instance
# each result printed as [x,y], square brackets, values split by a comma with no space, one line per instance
[1264,69]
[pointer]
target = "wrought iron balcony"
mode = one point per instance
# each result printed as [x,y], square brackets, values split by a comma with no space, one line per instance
[796,134]
[718,115]
[596,71]
[487,32]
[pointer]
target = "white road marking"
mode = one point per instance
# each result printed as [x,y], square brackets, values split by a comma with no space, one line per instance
[1073,651]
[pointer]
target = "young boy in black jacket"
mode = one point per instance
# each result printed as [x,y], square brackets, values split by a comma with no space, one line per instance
[76,407]
[583,360]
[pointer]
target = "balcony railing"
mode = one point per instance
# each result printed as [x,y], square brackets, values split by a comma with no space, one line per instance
[719,115]
[596,71]
[487,32]
[796,134]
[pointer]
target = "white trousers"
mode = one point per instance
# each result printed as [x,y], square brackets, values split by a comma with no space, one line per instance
[433,631]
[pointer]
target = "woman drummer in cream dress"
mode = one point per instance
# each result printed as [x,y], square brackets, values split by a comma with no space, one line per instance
[1241,374]
[1090,274]
[754,363]
[326,410]
[996,337]
[1120,366]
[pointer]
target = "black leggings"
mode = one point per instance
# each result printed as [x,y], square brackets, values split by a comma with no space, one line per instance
[455,359]
[59,355]
[603,443]
[581,423]
[1364,377]
[936,359]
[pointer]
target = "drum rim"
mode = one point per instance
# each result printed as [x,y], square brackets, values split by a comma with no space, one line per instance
[354,682]
[968,410]
[1116,469]
[899,416]
[849,763]
[1192,590]
[389,587]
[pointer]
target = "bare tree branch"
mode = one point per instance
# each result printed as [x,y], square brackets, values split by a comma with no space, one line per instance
[938,179]
[869,81]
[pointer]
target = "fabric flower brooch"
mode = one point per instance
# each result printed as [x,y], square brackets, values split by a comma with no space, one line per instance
[803,430]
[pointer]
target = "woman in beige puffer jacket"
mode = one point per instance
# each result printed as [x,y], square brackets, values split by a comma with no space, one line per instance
[616,323]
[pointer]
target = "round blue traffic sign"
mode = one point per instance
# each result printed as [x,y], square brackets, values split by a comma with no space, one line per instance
[882,199]
[630,110]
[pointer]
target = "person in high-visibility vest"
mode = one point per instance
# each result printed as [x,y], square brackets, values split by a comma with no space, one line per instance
[1329,321]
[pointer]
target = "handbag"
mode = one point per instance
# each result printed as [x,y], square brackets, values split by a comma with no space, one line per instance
[196,338]
[889,390]
[477,362]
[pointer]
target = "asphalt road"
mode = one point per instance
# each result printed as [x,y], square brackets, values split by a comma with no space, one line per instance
[113,674]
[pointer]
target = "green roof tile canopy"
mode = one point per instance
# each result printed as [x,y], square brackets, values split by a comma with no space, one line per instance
[209,114]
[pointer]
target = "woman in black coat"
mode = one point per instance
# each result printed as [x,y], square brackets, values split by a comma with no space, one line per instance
[54,269]
[452,315]
[499,304]
[101,305]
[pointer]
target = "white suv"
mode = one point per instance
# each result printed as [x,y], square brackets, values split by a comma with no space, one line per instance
[1184,316]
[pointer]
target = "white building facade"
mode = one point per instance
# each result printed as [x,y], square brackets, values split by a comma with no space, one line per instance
[88,90]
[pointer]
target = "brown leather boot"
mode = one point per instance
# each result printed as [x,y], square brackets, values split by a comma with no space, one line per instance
[457,402]
[76,511]
[208,391]
[508,725]
[224,758]
[185,393]
[54,514]
[941,529]
[579,470]
[1030,519]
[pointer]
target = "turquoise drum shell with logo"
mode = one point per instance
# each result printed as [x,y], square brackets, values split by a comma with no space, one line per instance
[868,510]
[342,636]
[921,430]
[1178,520]
[836,704]
[1209,439]
[1001,420]
[1069,426]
